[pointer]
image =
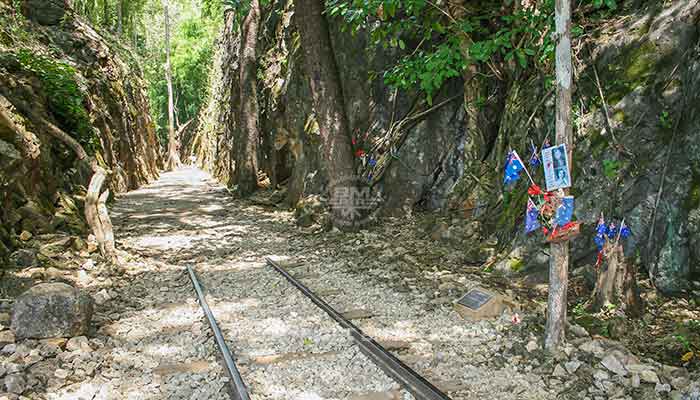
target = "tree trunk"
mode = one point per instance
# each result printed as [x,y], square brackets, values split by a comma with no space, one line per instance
[247,154]
[329,107]
[559,252]
[173,157]
[105,14]
[617,283]
[120,17]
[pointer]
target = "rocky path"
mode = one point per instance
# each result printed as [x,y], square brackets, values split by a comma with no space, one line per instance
[151,341]
[160,347]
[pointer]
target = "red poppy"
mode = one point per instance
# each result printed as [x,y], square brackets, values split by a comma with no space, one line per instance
[354,141]
[359,153]
[534,190]
[545,231]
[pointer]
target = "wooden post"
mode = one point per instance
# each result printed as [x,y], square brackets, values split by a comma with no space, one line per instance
[559,252]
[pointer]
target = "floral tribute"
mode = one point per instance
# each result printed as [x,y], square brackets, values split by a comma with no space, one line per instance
[550,212]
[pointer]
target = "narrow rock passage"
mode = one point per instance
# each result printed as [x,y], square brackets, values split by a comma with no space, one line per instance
[154,343]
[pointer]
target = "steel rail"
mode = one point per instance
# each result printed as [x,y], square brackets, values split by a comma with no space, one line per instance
[238,388]
[392,366]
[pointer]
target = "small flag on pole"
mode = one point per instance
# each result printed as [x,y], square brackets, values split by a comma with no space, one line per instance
[534,157]
[514,166]
[531,222]
[565,211]
[600,230]
[625,231]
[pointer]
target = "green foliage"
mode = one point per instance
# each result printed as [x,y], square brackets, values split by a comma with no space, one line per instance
[579,310]
[437,46]
[684,341]
[192,48]
[611,4]
[65,98]
[665,120]
[611,168]
[434,42]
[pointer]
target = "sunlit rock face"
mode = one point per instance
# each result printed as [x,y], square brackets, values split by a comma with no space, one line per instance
[645,170]
[58,70]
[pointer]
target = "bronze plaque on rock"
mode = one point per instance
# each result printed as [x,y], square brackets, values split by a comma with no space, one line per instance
[475,299]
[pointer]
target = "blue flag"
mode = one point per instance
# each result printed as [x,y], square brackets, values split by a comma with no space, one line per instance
[612,231]
[514,166]
[565,211]
[600,230]
[625,231]
[531,214]
[534,158]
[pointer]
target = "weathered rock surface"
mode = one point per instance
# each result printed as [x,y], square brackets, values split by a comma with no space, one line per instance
[45,12]
[440,164]
[51,310]
[43,181]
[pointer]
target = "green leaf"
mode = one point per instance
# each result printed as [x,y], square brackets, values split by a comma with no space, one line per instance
[522,59]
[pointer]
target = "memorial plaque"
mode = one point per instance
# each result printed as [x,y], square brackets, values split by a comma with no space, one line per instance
[480,303]
[475,299]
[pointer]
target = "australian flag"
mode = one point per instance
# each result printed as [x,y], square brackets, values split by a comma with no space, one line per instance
[514,166]
[565,211]
[625,231]
[531,214]
[534,158]
[600,230]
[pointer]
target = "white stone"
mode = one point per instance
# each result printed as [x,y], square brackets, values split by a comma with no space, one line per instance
[613,365]
[101,297]
[649,376]
[559,371]
[662,387]
[61,373]
[636,381]
[572,366]
[531,346]
[601,375]
[78,343]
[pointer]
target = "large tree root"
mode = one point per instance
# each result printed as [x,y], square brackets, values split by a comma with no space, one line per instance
[616,283]
[97,215]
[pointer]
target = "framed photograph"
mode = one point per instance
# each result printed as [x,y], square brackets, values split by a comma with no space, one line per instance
[556,167]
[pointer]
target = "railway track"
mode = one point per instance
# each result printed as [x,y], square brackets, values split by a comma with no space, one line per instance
[408,379]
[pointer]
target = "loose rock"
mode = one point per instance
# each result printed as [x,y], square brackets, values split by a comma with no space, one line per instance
[15,383]
[78,343]
[613,365]
[51,310]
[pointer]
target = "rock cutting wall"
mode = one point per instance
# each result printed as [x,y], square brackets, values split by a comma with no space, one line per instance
[56,69]
[643,167]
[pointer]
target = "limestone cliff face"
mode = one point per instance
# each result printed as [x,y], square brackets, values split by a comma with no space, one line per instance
[425,157]
[57,70]
[421,162]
